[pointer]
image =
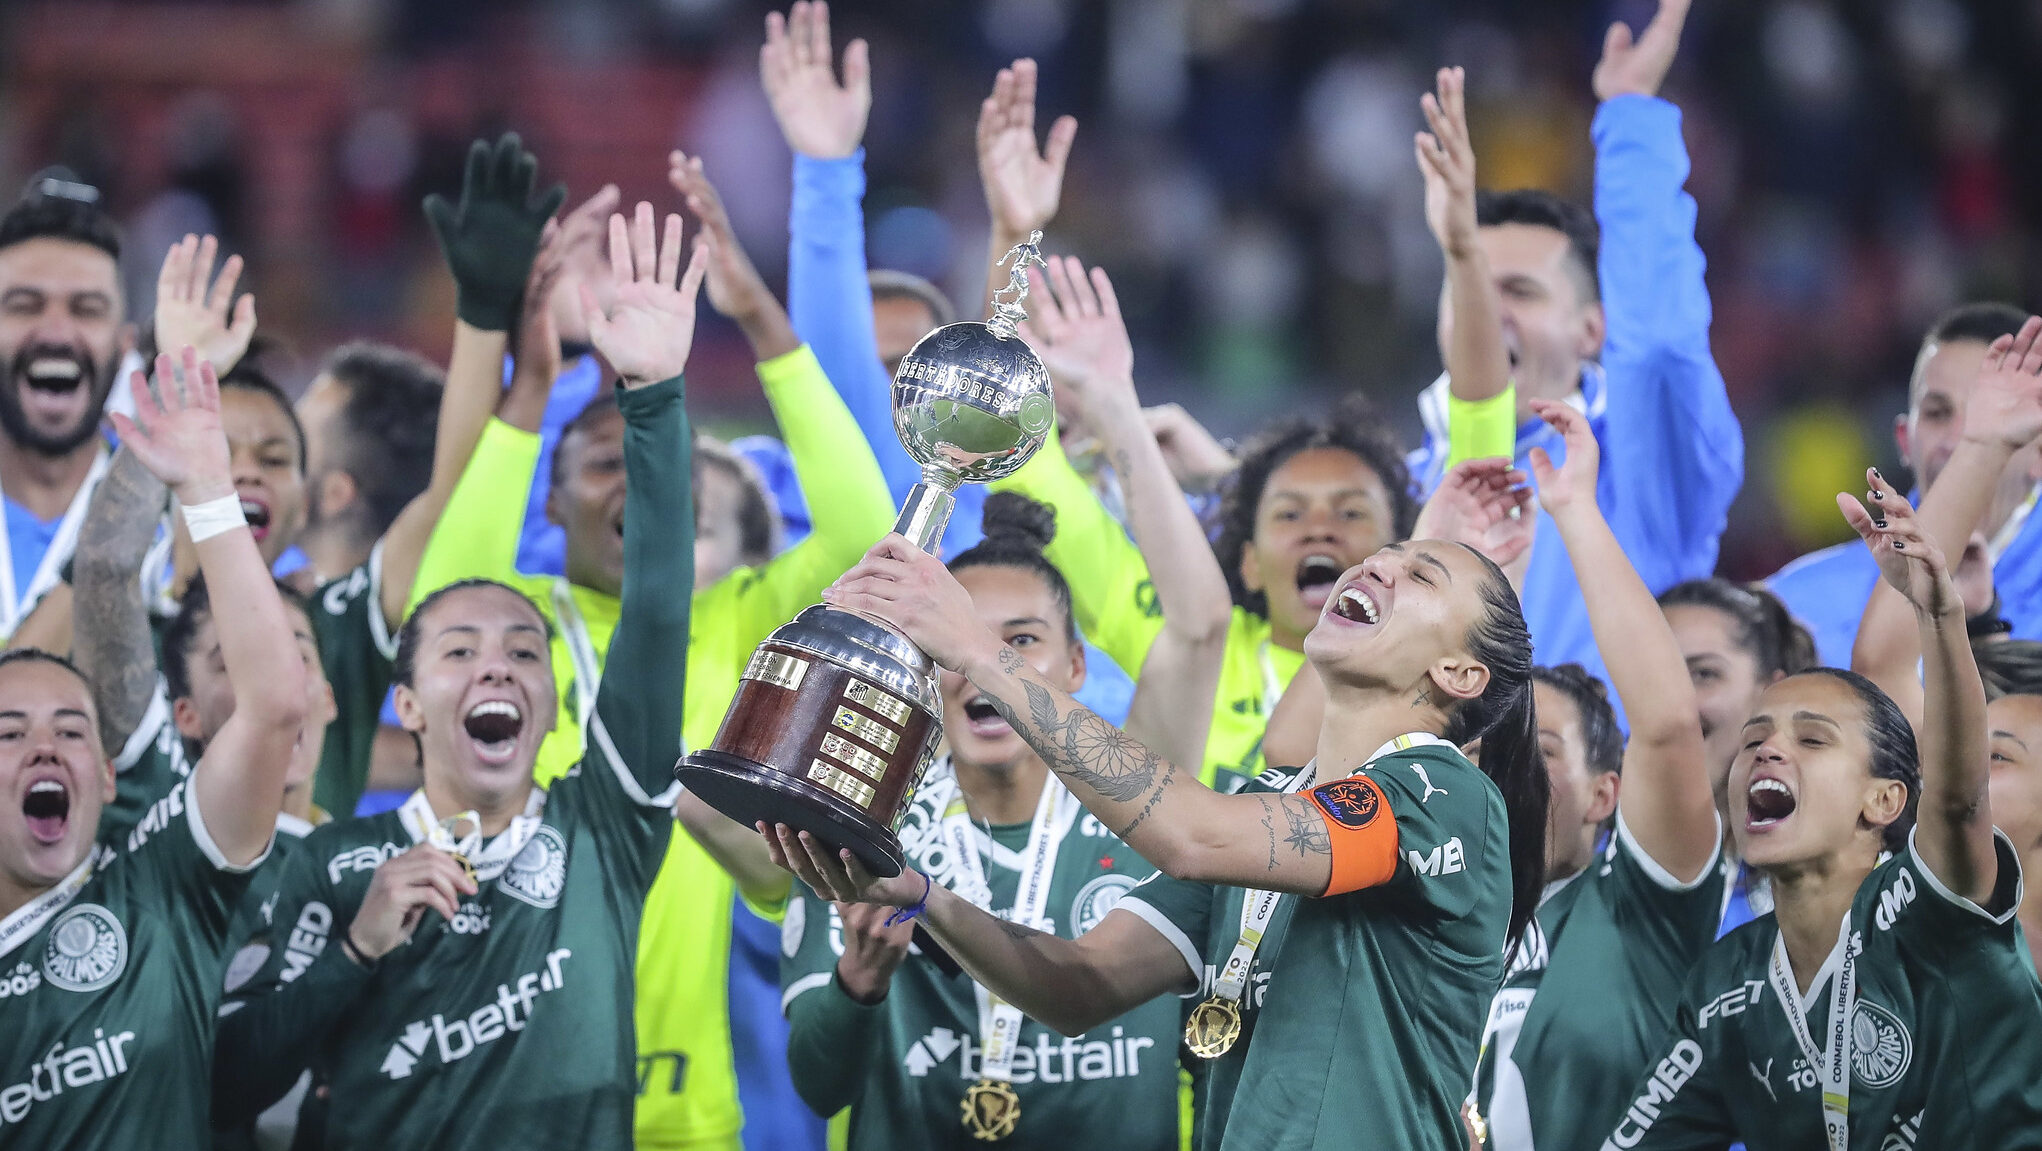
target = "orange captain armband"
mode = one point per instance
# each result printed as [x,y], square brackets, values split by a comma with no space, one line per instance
[1362,831]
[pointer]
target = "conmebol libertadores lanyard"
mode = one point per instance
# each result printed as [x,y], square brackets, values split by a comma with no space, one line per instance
[1214,1026]
[460,834]
[588,669]
[991,1108]
[1832,1063]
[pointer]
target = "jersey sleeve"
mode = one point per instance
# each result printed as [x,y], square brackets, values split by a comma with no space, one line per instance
[1919,909]
[1110,588]
[151,763]
[477,533]
[1676,919]
[272,1025]
[626,777]
[172,848]
[1181,911]
[830,1036]
[1442,805]
[1678,1104]
[847,500]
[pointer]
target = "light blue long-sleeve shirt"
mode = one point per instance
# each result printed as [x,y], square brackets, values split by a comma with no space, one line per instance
[1672,450]
[1827,590]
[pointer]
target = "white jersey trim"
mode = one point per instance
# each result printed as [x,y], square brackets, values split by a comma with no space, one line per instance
[600,736]
[2008,857]
[1654,870]
[379,628]
[204,838]
[140,740]
[1143,911]
[804,985]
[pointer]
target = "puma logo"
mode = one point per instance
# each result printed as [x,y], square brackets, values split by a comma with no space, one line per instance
[1427,781]
[1765,1077]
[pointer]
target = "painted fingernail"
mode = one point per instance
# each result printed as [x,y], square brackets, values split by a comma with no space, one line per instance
[1878,521]
[1900,545]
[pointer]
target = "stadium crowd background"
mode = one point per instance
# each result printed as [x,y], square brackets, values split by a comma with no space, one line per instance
[1242,165]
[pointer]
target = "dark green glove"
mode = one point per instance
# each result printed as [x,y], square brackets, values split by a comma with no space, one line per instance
[491,236]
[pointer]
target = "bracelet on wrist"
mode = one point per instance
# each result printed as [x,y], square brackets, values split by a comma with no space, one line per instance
[212,517]
[921,905]
[355,956]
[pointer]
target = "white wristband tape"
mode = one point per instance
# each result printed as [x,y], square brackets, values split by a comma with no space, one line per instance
[206,520]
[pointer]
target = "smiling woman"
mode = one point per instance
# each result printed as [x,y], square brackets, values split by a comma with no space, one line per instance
[1421,867]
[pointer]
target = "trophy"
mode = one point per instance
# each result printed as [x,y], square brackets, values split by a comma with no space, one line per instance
[837,715]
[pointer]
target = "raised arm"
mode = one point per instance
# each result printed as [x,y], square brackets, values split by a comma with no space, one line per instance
[1072,985]
[646,333]
[1477,364]
[110,618]
[829,294]
[1953,824]
[1666,801]
[239,781]
[490,239]
[2003,415]
[1023,184]
[1188,830]
[1078,329]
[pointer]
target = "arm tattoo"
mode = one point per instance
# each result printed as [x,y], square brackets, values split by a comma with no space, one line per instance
[1010,660]
[1307,834]
[110,616]
[1269,829]
[1092,752]
[1017,931]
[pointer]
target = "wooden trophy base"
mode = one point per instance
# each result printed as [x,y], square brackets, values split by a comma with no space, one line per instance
[751,793]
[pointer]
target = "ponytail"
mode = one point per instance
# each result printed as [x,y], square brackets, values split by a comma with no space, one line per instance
[1504,719]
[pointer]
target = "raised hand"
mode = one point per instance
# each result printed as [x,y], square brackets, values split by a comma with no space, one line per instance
[1484,504]
[176,432]
[188,315]
[490,236]
[648,329]
[1639,67]
[736,290]
[1077,329]
[1197,461]
[1023,186]
[1571,486]
[907,587]
[838,876]
[818,116]
[1909,559]
[400,893]
[2005,407]
[535,346]
[872,950]
[1446,158]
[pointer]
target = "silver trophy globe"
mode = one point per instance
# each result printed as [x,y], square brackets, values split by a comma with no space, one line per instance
[837,715]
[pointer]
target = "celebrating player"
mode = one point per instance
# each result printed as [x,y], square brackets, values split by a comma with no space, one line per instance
[1582,1007]
[994,826]
[1880,1003]
[112,957]
[474,949]
[1364,1001]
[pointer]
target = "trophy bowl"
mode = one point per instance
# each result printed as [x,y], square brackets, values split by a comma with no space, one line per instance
[837,716]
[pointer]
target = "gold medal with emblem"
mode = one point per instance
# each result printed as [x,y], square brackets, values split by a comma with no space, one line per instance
[991,1108]
[1213,1028]
[449,837]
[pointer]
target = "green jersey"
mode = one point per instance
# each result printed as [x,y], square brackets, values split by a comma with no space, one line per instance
[356,650]
[111,980]
[1589,994]
[1942,1042]
[1362,1011]
[511,1022]
[903,1065]
[235,1129]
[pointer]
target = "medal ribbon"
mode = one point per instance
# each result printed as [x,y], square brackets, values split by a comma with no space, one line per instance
[29,918]
[1832,1063]
[487,858]
[1257,909]
[588,670]
[1000,1021]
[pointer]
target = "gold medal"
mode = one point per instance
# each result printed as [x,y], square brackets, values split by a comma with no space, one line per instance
[1213,1028]
[1478,1127]
[991,1109]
